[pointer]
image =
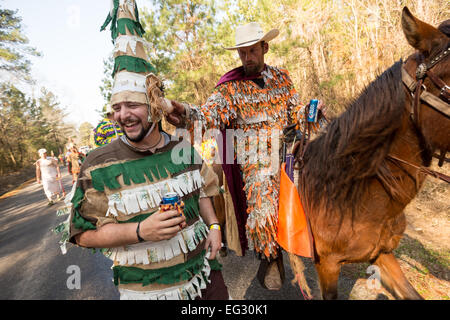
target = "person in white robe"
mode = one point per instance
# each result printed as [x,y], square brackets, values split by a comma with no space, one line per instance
[48,173]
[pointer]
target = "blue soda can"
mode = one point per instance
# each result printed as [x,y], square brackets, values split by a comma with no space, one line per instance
[171,201]
[170,198]
[312,114]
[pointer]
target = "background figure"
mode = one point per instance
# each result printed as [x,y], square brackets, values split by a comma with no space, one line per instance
[107,130]
[47,172]
[74,159]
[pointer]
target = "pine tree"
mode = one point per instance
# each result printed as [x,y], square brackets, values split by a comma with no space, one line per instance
[14,48]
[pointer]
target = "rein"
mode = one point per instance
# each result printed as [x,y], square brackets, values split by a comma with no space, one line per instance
[306,135]
[422,169]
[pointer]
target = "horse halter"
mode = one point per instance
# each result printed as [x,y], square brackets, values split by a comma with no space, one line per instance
[419,91]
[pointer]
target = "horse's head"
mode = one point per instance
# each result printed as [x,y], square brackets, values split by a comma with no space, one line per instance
[429,78]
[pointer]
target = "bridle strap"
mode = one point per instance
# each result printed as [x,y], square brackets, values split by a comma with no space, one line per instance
[445,89]
[438,58]
[420,93]
[425,96]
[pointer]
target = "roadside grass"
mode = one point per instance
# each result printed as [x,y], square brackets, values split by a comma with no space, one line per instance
[427,269]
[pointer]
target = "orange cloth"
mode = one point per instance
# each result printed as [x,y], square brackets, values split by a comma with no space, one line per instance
[293,233]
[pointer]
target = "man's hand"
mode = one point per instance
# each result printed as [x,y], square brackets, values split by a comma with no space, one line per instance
[214,240]
[176,113]
[162,225]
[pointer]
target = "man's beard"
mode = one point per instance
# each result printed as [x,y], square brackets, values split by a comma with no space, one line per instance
[142,134]
[252,70]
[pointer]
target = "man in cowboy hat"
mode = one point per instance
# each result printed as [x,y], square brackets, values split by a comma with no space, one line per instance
[254,96]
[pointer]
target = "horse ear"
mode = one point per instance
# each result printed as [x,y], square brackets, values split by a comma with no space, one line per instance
[419,34]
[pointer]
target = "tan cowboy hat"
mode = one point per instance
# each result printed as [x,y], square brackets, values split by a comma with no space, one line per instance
[251,33]
[42,151]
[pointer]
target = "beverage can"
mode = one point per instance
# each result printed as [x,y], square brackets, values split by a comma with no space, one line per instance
[170,198]
[312,114]
[172,201]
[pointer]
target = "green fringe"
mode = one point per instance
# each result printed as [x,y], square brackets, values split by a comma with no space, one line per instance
[138,218]
[107,21]
[63,230]
[118,25]
[59,228]
[109,18]
[191,207]
[77,198]
[135,171]
[105,251]
[78,220]
[81,223]
[132,64]
[134,27]
[136,14]
[62,212]
[180,272]
[215,265]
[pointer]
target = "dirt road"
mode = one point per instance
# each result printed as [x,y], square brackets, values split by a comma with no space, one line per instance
[32,266]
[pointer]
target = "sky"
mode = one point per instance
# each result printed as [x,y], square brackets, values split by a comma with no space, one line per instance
[67,33]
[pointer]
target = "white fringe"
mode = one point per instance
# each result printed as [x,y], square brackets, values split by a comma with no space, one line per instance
[152,252]
[124,80]
[142,198]
[64,227]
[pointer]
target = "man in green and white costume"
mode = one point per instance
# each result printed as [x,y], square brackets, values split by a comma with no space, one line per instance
[157,255]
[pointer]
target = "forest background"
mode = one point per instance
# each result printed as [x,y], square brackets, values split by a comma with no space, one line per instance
[331,48]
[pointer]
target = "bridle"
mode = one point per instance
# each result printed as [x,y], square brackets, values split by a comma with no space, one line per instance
[419,93]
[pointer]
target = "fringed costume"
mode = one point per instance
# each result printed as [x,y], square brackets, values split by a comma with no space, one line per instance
[121,184]
[258,112]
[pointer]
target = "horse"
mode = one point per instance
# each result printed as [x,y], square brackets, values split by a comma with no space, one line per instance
[357,177]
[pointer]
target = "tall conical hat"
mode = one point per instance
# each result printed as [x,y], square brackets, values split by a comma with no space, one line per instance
[131,64]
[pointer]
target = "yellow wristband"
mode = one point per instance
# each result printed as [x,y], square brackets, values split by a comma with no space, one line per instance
[214,226]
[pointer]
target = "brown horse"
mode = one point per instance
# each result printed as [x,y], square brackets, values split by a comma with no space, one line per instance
[352,189]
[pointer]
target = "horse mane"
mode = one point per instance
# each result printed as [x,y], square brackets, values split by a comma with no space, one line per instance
[341,162]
